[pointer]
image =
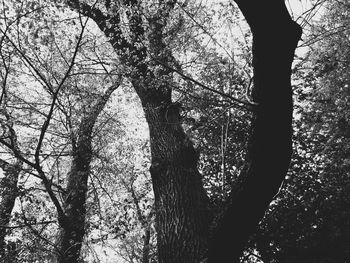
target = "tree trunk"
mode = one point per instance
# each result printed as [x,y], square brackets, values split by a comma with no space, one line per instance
[180,200]
[8,184]
[275,37]
[146,244]
[8,194]
[72,225]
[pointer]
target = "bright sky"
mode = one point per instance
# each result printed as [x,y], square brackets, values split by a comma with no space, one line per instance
[299,8]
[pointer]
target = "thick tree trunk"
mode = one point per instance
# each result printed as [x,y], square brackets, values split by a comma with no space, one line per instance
[180,200]
[275,37]
[72,225]
[8,194]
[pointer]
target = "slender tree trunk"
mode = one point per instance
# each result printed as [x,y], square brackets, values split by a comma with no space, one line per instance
[8,194]
[145,223]
[72,228]
[8,184]
[275,37]
[72,225]
[146,244]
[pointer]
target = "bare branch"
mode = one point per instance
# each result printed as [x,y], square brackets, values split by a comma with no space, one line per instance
[245,104]
[31,224]
[55,95]
[27,60]
[35,232]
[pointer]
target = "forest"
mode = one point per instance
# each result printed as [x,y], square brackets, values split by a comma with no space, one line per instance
[174,131]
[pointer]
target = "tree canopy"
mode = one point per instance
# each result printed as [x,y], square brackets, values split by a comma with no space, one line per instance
[174,131]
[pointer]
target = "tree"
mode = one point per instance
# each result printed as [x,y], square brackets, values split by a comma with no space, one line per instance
[270,143]
[142,34]
[309,218]
[180,201]
[8,183]
[65,121]
[72,220]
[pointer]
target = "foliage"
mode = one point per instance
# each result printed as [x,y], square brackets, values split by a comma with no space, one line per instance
[39,43]
[309,216]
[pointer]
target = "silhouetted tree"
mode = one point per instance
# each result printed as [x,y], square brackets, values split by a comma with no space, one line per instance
[275,37]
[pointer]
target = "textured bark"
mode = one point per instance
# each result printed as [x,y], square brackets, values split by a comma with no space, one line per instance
[72,224]
[275,37]
[8,194]
[181,215]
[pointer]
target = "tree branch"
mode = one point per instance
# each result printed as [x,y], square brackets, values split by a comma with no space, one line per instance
[31,224]
[55,95]
[247,105]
